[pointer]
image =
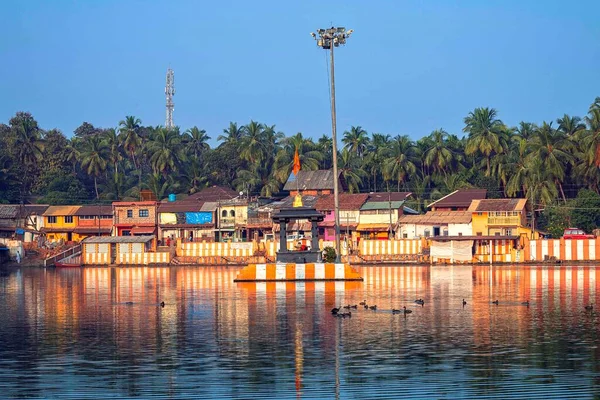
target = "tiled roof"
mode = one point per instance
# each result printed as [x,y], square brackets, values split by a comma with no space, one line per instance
[180,206]
[460,198]
[213,193]
[9,211]
[61,210]
[347,201]
[118,239]
[497,205]
[386,196]
[94,210]
[437,217]
[312,180]
[307,201]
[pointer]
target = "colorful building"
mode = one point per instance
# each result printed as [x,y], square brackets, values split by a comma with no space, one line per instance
[134,218]
[126,250]
[349,205]
[21,221]
[188,220]
[378,217]
[60,223]
[93,220]
[459,200]
[233,220]
[500,217]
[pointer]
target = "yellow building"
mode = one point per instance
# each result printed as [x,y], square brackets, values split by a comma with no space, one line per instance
[232,220]
[60,223]
[500,217]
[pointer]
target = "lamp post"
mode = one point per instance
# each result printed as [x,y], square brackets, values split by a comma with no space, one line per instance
[328,39]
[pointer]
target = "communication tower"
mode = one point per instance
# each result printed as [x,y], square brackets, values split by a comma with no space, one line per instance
[170,92]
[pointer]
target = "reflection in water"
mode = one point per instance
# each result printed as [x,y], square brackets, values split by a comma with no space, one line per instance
[101,332]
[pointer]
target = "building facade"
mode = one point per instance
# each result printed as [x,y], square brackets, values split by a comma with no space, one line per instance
[60,223]
[134,218]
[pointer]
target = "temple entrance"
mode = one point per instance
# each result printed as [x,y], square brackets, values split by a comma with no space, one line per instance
[304,251]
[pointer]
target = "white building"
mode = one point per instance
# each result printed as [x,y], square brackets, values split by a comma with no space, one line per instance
[435,223]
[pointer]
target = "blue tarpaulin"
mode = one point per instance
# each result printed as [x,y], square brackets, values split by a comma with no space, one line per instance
[198,218]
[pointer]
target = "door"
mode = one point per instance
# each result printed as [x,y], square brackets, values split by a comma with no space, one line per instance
[436,231]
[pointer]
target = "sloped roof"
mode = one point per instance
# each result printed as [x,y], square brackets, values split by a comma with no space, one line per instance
[95,210]
[307,201]
[386,196]
[180,206]
[313,180]
[209,206]
[460,198]
[381,205]
[213,193]
[497,205]
[346,201]
[11,211]
[437,217]
[61,210]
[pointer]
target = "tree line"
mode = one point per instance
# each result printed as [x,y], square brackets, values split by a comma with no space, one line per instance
[548,163]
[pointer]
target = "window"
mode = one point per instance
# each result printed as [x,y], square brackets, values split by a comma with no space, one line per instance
[224,213]
[427,233]
[232,213]
[508,232]
[86,217]
[51,220]
[106,217]
[129,213]
[144,213]
[445,232]
[68,219]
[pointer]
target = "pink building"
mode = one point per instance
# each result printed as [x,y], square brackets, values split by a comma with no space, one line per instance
[349,212]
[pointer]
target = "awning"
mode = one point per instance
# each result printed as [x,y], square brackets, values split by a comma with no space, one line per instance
[56,230]
[330,224]
[373,227]
[143,230]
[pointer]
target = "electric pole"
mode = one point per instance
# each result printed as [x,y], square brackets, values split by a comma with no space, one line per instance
[328,39]
[170,92]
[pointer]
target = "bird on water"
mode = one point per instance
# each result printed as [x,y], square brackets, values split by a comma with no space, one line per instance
[334,310]
[374,308]
[363,303]
[395,311]
[525,303]
[495,302]
[464,303]
[406,311]
[420,302]
[162,303]
[589,307]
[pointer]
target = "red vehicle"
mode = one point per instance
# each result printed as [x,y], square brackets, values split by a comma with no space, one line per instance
[575,233]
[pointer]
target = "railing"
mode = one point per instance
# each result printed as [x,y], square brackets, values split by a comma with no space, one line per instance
[48,262]
[228,222]
[260,221]
[504,220]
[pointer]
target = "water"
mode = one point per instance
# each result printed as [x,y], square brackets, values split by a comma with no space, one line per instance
[72,333]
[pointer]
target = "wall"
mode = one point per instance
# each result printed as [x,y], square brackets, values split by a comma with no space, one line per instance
[62,225]
[223,249]
[562,249]
[96,253]
[464,229]
[120,214]
[400,246]
[383,218]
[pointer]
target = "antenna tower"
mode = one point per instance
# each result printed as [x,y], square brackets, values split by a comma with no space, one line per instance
[170,92]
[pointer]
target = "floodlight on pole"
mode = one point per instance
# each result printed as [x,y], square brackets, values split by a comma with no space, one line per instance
[328,39]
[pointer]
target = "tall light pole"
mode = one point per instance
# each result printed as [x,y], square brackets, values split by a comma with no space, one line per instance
[328,39]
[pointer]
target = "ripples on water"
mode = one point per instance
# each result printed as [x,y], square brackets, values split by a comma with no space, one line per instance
[100,332]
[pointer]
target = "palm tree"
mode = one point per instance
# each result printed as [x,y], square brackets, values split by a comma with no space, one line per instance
[439,157]
[165,151]
[569,125]
[284,160]
[195,140]
[252,145]
[356,140]
[399,162]
[540,191]
[552,149]
[325,147]
[349,167]
[484,131]
[377,151]
[94,157]
[194,176]
[591,136]
[232,135]
[113,146]
[525,130]
[27,144]
[131,141]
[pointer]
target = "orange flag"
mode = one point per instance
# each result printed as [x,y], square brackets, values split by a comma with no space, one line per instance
[296,166]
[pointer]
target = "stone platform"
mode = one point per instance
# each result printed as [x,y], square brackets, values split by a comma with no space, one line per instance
[298,272]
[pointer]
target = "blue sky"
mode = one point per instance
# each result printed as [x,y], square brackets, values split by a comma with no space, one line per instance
[409,68]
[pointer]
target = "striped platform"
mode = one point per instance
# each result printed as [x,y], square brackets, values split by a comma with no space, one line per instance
[298,272]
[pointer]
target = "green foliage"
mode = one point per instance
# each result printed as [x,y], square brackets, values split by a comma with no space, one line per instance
[329,254]
[586,210]
[554,220]
[65,189]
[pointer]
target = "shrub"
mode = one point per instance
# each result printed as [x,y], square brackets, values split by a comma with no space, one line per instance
[329,254]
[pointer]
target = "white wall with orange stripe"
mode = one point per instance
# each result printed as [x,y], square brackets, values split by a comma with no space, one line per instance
[563,249]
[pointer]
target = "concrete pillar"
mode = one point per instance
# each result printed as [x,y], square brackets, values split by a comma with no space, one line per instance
[315,235]
[282,236]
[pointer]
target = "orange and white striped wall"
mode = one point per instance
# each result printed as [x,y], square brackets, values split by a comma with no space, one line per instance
[564,249]
[143,258]
[298,272]
[95,258]
[400,246]
[211,249]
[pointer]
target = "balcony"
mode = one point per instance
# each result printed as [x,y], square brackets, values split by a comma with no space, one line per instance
[504,221]
[227,222]
[260,222]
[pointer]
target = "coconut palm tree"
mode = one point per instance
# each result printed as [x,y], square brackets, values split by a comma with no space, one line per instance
[484,131]
[253,146]
[165,151]
[377,151]
[552,149]
[26,144]
[113,146]
[356,140]
[349,167]
[94,156]
[591,136]
[325,147]
[310,158]
[232,135]
[540,190]
[130,138]
[195,141]
[569,126]
[399,162]
[438,156]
